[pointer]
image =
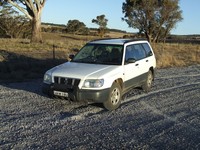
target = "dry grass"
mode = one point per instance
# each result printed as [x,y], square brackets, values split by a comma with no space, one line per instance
[169,55]
[21,59]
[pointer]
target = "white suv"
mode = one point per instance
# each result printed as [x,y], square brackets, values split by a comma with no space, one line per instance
[102,71]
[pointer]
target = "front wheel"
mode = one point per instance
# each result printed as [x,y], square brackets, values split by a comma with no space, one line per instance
[114,99]
[148,83]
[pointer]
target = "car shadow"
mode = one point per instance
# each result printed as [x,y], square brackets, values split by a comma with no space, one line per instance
[21,72]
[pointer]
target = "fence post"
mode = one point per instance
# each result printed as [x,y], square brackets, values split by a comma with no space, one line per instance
[54,47]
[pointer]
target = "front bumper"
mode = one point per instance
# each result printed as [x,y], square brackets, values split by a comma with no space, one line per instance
[76,94]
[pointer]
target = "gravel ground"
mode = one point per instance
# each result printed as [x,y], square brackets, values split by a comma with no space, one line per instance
[168,117]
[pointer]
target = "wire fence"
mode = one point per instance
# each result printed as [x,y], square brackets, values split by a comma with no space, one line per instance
[54,54]
[22,65]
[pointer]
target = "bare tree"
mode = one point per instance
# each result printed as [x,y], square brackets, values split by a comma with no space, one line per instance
[152,16]
[33,10]
[102,22]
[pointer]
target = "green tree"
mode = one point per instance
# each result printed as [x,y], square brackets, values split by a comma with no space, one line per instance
[12,24]
[33,10]
[102,22]
[152,17]
[76,27]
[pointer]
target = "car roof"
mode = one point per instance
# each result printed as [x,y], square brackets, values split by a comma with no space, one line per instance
[118,41]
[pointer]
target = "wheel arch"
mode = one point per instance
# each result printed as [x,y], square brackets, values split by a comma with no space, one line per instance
[120,82]
[153,72]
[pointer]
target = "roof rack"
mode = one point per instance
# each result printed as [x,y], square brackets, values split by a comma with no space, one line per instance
[135,39]
[104,39]
[127,39]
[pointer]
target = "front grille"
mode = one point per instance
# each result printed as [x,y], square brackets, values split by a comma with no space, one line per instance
[67,81]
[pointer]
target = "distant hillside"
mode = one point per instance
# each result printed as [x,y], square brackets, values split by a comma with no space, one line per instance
[53,24]
[193,39]
[192,36]
[44,24]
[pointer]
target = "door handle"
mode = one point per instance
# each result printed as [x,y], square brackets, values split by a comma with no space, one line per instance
[136,64]
[147,60]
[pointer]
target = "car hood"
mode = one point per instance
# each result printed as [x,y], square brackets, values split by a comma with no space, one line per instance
[81,70]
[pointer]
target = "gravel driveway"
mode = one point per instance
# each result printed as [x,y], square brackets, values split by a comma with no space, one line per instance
[168,117]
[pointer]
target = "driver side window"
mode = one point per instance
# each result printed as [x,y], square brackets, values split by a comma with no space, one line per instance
[129,53]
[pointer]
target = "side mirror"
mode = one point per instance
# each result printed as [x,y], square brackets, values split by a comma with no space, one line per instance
[71,56]
[150,53]
[75,50]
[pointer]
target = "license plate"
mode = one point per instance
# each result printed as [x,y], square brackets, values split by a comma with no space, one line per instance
[58,93]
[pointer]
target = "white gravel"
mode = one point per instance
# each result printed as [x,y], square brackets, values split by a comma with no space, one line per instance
[168,117]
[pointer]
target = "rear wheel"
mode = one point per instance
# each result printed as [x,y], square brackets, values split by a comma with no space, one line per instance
[148,83]
[114,99]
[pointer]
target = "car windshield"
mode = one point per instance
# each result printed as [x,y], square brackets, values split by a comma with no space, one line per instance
[100,54]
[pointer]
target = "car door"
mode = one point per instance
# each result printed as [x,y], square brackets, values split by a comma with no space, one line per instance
[134,66]
[142,59]
[150,58]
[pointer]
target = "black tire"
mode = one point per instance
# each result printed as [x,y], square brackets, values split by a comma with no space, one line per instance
[148,83]
[114,99]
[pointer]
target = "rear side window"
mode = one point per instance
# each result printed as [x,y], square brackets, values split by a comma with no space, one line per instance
[139,51]
[147,49]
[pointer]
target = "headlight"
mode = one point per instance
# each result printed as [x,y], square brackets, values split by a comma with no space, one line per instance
[92,83]
[47,79]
